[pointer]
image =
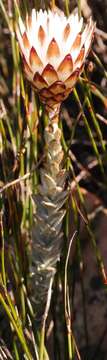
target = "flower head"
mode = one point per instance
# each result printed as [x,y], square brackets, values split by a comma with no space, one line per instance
[54,49]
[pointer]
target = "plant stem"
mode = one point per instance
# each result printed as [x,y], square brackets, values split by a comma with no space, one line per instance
[17,327]
[42,338]
[2,251]
[67,7]
[79,8]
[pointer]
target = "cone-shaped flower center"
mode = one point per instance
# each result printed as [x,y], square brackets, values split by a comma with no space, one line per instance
[54,49]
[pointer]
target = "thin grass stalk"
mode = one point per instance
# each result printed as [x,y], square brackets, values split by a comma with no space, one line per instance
[70,167]
[74,126]
[56,345]
[11,184]
[65,147]
[5,15]
[80,261]
[67,7]
[67,305]
[11,134]
[2,131]
[16,326]
[42,335]
[23,306]
[67,309]
[14,50]
[16,79]
[10,23]
[15,349]
[95,122]
[77,185]
[25,194]
[90,232]
[2,250]
[68,325]
[35,348]
[88,102]
[85,315]
[89,132]
[14,342]
[99,263]
[31,157]
[99,63]
[16,8]
[9,195]
[53,4]
[96,250]
[98,94]
[79,8]
[18,257]
[42,341]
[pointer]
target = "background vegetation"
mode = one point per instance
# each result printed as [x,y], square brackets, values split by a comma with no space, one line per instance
[83,121]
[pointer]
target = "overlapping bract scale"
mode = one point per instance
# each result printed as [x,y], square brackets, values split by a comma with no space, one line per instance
[54,49]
